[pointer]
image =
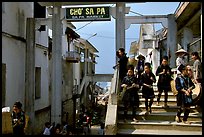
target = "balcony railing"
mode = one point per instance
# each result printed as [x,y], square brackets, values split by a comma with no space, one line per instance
[72,56]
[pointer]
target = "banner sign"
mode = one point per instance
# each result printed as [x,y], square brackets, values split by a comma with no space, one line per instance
[88,14]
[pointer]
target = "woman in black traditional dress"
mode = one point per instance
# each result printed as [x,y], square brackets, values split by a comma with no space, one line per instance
[130,87]
[147,80]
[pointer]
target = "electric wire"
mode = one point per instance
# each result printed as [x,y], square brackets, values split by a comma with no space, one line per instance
[84,25]
[88,23]
[108,37]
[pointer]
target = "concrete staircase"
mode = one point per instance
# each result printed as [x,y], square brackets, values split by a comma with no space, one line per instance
[161,121]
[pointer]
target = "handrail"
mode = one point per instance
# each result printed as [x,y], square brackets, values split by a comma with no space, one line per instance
[111,113]
[194,42]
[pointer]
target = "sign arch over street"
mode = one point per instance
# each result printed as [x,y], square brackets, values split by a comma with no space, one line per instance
[88,13]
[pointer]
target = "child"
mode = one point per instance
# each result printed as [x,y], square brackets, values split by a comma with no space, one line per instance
[48,127]
[147,79]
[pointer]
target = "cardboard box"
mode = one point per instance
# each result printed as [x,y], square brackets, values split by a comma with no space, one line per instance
[6,123]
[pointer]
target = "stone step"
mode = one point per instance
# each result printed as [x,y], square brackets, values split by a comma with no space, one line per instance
[156,132]
[170,101]
[161,108]
[161,121]
[156,92]
[170,95]
[140,115]
[161,99]
[159,124]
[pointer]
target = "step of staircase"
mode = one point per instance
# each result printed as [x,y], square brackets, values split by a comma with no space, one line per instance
[170,101]
[159,108]
[170,95]
[161,121]
[140,115]
[160,124]
[161,118]
[156,132]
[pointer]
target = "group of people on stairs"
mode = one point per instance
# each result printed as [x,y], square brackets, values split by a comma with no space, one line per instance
[132,79]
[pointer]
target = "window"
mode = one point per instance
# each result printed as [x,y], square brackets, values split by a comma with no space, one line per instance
[37,82]
[3,84]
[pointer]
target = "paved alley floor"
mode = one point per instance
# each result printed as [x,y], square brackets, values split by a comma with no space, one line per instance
[94,130]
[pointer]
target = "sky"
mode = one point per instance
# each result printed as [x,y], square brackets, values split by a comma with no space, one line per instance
[105,40]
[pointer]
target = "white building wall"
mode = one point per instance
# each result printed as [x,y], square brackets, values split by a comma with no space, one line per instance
[64,45]
[14,16]
[77,72]
[13,55]
[77,66]
[41,60]
[41,38]
[150,31]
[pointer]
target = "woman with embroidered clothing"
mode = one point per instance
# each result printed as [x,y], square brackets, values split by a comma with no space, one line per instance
[184,85]
[131,98]
[147,80]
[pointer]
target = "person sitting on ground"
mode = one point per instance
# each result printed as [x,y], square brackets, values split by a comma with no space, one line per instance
[47,129]
[58,129]
[65,128]
[18,119]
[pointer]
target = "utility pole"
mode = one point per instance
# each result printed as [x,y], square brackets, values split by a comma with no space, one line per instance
[30,74]
[171,40]
[120,26]
[56,92]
